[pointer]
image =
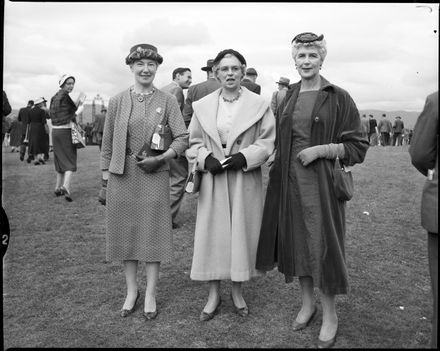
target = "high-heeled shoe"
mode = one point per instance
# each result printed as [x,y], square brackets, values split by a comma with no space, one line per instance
[300,326]
[206,316]
[326,344]
[151,315]
[125,313]
[241,311]
[66,194]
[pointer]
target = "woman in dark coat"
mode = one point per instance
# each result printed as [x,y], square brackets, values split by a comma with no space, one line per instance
[303,225]
[37,131]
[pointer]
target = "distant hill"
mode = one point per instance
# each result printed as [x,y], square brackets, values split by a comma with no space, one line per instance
[409,118]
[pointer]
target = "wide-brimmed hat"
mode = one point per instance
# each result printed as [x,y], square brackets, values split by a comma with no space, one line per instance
[64,77]
[284,81]
[251,72]
[39,100]
[208,66]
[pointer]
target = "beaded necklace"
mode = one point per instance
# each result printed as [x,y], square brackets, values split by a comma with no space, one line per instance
[141,96]
[234,99]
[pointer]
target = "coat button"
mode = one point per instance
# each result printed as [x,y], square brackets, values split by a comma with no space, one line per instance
[238,142]
[316,119]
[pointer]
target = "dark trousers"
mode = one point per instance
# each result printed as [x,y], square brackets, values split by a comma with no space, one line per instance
[385,136]
[433,272]
[397,137]
[178,176]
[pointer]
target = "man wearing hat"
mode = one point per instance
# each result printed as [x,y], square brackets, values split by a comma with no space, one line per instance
[385,129]
[278,96]
[397,131]
[195,92]
[249,81]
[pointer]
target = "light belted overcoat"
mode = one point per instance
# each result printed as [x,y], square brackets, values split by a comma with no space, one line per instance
[230,204]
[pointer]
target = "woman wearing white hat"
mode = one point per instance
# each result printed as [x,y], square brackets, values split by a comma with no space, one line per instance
[62,112]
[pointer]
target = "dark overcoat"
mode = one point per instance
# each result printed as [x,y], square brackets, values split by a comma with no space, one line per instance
[335,119]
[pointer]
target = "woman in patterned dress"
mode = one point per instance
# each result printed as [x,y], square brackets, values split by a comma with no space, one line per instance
[303,225]
[138,221]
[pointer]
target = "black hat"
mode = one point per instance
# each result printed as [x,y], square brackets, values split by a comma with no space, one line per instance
[143,51]
[223,53]
[208,66]
[251,72]
[307,37]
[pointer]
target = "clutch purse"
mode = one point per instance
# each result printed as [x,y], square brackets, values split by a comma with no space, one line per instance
[342,181]
[161,139]
[194,180]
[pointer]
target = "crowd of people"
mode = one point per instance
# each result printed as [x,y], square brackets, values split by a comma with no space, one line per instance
[225,131]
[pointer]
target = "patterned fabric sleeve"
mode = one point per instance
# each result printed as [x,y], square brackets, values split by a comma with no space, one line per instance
[107,137]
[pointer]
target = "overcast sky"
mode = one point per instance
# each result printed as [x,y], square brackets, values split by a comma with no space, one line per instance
[384,55]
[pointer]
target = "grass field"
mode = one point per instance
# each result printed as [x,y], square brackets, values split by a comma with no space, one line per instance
[58,291]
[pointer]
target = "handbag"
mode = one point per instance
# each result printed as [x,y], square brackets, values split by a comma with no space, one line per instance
[78,138]
[194,179]
[162,138]
[342,181]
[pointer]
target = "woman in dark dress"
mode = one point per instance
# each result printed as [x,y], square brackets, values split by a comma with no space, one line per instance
[63,112]
[303,225]
[37,131]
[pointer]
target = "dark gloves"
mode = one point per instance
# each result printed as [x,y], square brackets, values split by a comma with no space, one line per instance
[150,163]
[102,197]
[213,165]
[235,162]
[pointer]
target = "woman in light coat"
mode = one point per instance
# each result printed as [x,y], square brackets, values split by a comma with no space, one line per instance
[238,126]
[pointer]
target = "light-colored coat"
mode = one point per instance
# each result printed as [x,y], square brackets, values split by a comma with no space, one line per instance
[230,204]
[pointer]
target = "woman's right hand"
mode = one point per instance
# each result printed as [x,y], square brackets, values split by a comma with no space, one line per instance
[213,165]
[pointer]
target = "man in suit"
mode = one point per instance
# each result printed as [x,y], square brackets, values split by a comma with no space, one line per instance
[385,129]
[181,80]
[424,157]
[278,96]
[397,131]
[179,166]
[249,79]
[195,92]
[23,117]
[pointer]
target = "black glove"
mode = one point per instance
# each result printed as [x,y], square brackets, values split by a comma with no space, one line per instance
[213,165]
[151,163]
[102,197]
[235,162]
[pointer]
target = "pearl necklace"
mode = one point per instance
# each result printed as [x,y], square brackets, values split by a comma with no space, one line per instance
[141,96]
[234,99]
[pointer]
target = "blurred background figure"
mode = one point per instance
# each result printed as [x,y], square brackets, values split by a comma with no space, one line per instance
[373,133]
[278,96]
[249,81]
[37,131]
[385,129]
[397,131]
[365,125]
[6,111]
[424,157]
[14,133]
[98,127]
[23,117]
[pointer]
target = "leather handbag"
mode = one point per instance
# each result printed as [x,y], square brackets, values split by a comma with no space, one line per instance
[162,138]
[194,179]
[342,181]
[78,138]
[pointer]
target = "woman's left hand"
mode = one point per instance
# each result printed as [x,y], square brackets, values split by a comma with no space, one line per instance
[310,154]
[151,163]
